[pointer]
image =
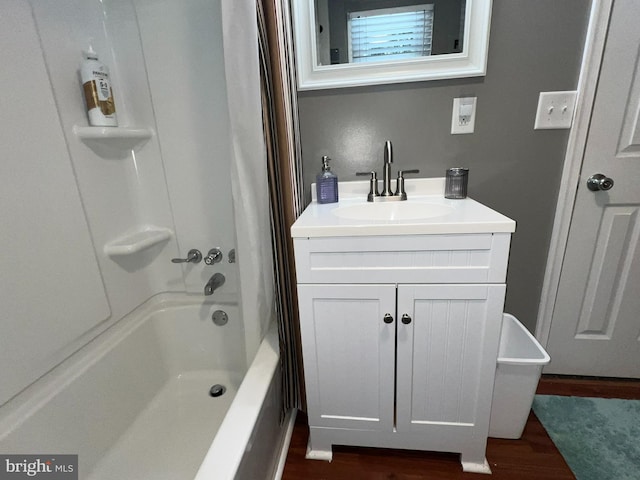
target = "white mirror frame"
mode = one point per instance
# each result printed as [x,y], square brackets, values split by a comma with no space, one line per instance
[471,62]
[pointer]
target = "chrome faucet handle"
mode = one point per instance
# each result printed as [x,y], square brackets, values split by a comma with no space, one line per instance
[373,185]
[400,183]
[214,256]
[193,256]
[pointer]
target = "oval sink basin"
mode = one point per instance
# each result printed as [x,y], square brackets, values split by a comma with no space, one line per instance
[392,211]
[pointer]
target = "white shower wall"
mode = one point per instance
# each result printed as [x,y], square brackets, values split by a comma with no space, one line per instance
[182,43]
[167,66]
[122,193]
[52,292]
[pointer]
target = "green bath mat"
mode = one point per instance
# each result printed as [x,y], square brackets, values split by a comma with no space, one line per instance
[598,437]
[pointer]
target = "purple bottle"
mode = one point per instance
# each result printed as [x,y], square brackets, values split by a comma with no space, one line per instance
[326,183]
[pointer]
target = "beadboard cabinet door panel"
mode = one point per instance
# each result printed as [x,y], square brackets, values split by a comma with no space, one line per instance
[349,354]
[446,356]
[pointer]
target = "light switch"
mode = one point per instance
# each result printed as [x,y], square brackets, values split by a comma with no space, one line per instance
[555,110]
[463,118]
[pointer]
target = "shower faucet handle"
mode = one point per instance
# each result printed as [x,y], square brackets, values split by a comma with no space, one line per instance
[214,256]
[194,256]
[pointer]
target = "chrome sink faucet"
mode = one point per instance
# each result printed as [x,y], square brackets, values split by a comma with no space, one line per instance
[387,194]
[386,170]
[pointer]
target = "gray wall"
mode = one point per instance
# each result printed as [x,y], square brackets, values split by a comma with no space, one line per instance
[534,47]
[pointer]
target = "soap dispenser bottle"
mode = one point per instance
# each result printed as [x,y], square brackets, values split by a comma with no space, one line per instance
[326,183]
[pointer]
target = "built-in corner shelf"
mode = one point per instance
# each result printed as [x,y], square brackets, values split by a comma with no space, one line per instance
[113,141]
[142,239]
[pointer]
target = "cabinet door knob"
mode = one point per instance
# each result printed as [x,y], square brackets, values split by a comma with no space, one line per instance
[388,318]
[406,319]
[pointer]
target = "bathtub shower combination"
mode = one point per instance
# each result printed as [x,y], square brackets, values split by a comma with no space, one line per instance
[118,343]
[138,401]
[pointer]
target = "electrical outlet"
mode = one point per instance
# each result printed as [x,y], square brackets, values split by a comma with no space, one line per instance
[463,118]
[555,110]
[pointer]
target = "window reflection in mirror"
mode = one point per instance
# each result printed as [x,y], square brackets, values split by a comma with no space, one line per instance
[358,31]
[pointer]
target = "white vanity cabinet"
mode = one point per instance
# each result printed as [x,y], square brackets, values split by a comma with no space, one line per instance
[400,337]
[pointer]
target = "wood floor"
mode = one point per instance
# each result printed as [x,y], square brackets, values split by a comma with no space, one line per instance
[533,457]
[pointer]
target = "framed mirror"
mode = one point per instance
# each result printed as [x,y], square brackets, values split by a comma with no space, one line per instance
[348,43]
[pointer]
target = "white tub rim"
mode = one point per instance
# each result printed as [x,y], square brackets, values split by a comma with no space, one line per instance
[223,457]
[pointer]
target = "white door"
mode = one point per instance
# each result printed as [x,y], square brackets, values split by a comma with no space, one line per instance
[595,328]
[348,339]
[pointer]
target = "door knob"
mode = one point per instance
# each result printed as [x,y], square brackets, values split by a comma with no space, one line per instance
[406,319]
[598,181]
[388,318]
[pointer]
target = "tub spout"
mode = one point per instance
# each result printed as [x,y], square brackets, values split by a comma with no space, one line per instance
[215,282]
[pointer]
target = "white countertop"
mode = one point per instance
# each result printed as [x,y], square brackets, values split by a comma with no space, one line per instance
[465,216]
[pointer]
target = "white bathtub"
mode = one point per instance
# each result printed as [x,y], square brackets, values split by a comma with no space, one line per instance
[135,403]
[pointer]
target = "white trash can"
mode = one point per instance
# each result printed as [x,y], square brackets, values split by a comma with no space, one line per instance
[520,362]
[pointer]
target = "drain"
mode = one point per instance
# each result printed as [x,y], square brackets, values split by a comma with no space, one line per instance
[217,390]
[220,318]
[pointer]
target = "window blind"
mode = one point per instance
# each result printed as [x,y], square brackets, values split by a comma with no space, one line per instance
[390,33]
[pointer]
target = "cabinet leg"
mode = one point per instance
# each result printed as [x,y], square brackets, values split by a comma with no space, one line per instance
[318,448]
[474,464]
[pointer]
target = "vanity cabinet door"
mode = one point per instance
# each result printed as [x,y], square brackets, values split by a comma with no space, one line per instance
[349,353]
[447,349]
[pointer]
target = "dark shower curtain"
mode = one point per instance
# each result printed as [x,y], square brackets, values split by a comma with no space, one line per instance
[280,121]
